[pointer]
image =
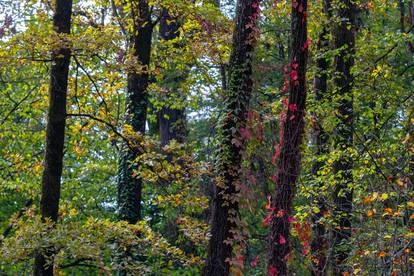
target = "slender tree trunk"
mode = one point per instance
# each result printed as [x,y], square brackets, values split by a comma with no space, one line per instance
[319,244]
[237,97]
[172,120]
[55,132]
[402,15]
[129,187]
[344,42]
[291,140]
[410,47]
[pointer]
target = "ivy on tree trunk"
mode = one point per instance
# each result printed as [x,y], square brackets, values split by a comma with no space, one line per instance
[344,42]
[129,186]
[290,142]
[228,163]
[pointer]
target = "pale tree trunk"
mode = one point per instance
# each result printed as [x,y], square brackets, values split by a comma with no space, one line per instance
[55,132]
[228,164]
[288,167]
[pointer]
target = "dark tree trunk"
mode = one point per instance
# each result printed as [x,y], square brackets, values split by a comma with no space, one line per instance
[172,120]
[289,160]
[403,18]
[344,42]
[319,244]
[55,131]
[129,187]
[236,102]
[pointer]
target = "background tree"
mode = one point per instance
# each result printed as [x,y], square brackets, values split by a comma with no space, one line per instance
[344,42]
[55,132]
[130,187]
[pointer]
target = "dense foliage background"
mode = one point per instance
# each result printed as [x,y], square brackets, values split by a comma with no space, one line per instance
[187,73]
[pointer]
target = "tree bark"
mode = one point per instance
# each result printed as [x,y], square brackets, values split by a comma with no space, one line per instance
[344,42]
[291,140]
[319,244]
[172,120]
[236,102]
[55,131]
[130,187]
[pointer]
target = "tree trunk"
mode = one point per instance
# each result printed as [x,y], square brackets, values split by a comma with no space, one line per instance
[129,187]
[344,42]
[319,244]
[228,164]
[172,120]
[290,142]
[55,131]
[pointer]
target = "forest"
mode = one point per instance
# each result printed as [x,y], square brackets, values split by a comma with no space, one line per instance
[207,137]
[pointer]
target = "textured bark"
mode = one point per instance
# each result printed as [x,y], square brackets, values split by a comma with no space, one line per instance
[237,97]
[55,131]
[172,120]
[129,187]
[289,160]
[319,244]
[403,18]
[344,42]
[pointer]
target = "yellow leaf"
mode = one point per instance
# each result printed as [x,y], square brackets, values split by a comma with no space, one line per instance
[370,213]
[410,204]
[367,200]
[73,212]
[384,196]
[399,182]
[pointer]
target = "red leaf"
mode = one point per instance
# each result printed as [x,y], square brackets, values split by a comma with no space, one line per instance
[269,203]
[274,159]
[254,262]
[282,239]
[274,178]
[294,75]
[293,107]
[272,270]
[245,134]
[265,222]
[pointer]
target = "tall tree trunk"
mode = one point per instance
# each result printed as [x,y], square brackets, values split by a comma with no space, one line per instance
[291,140]
[130,187]
[55,131]
[344,42]
[172,120]
[319,244]
[228,165]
